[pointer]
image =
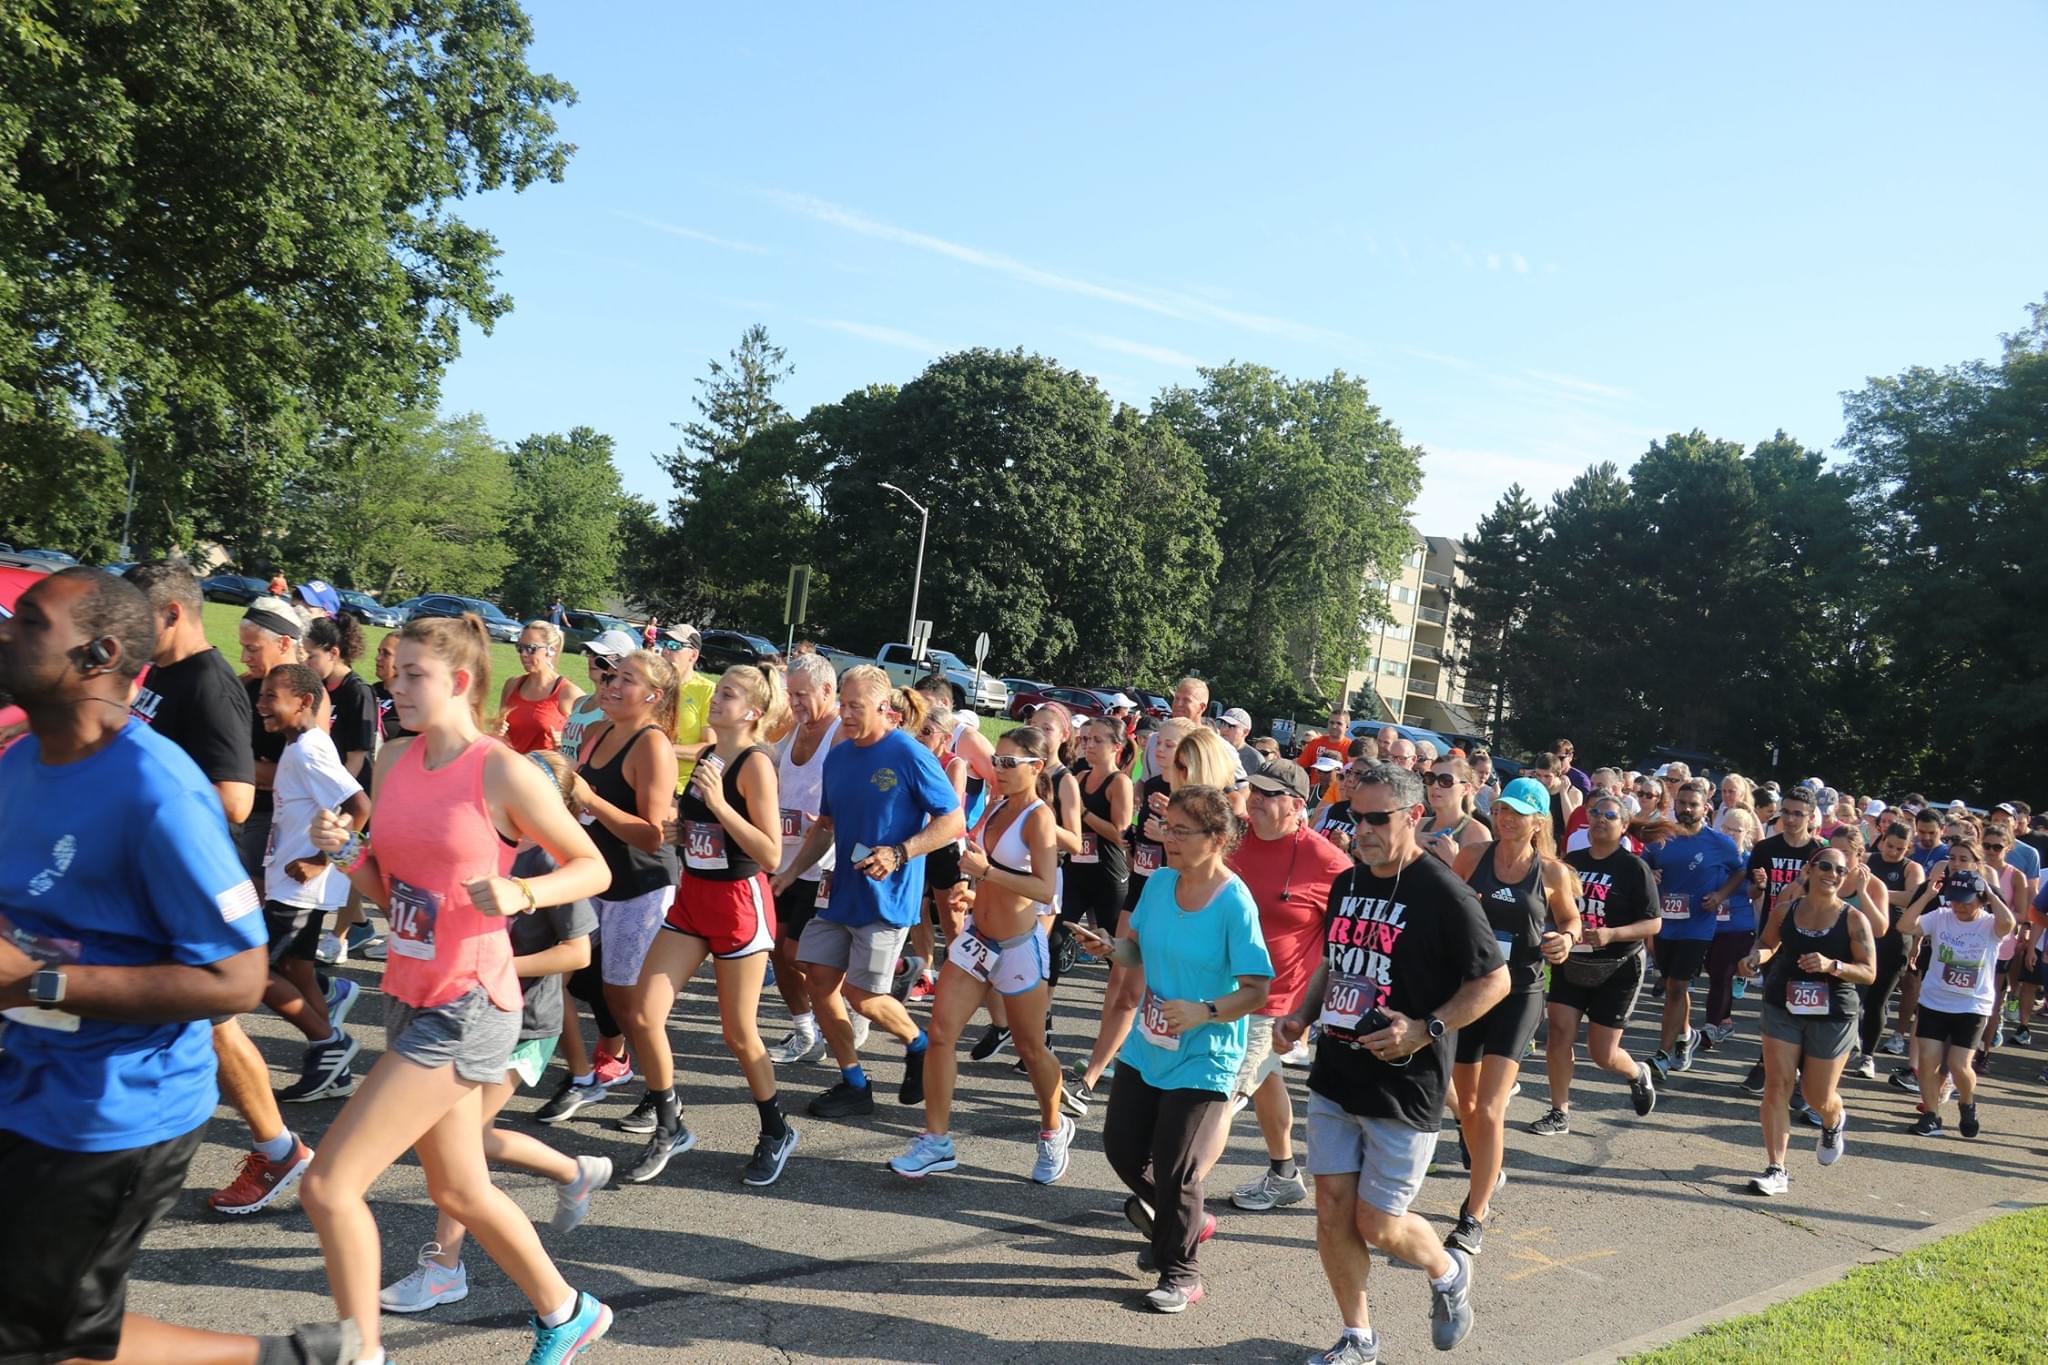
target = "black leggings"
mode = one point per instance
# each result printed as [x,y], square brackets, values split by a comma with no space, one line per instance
[587,985]
[1891,965]
[1154,1140]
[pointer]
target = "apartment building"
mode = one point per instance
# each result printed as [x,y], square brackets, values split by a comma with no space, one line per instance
[1414,666]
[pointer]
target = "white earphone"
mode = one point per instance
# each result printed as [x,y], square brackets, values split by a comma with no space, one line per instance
[653,696]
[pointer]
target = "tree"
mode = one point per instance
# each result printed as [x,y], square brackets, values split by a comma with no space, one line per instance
[420,505]
[1500,562]
[564,521]
[64,492]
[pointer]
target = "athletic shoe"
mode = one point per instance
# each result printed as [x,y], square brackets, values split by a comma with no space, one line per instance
[610,1070]
[330,949]
[1174,1298]
[1300,1057]
[1551,1124]
[927,1154]
[909,971]
[572,1201]
[923,989]
[1998,1036]
[1660,1062]
[844,1101]
[379,950]
[1074,1100]
[559,1345]
[1469,1235]
[320,1343]
[1829,1148]
[1864,1065]
[1804,1112]
[1145,1261]
[1349,1350]
[1516,1088]
[430,1284]
[642,1119]
[770,1156]
[654,1159]
[912,1089]
[989,1044]
[568,1098]
[342,995]
[1053,1153]
[1903,1079]
[1139,1214]
[2023,1035]
[1718,1034]
[1894,1045]
[261,1180]
[1450,1310]
[1927,1125]
[1703,1038]
[802,1045]
[861,1025]
[1772,1181]
[324,1073]
[1753,1080]
[1968,1126]
[1270,1191]
[360,936]
[1682,1059]
[1642,1091]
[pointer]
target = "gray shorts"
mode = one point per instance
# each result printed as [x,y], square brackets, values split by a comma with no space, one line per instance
[625,930]
[1259,1061]
[1388,1158]
[1820,1037]
[469,1033]
[867,953]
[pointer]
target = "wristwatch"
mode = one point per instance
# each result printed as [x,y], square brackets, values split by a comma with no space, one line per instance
[46,987]
[1212,1009]
[1435,1027]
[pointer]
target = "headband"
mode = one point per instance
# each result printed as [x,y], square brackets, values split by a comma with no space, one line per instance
[542,764]
[274,623]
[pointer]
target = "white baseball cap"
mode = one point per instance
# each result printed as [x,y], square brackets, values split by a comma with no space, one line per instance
[1238,716]
[613,644]
[1874,808]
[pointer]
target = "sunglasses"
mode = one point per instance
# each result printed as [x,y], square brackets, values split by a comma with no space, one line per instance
[532,649]
[1445,780]
[1606,813]
[676,646]
[1375,818]
[1990,847]
[1014,760]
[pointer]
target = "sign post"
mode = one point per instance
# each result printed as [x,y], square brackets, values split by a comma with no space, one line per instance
[920,639]
[795,601]
[980,653]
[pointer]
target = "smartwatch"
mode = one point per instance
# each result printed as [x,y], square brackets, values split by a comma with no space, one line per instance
[1212,1008]
[46,987]
[1435,1027]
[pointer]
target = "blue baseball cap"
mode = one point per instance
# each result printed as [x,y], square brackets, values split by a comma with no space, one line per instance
[1525,796]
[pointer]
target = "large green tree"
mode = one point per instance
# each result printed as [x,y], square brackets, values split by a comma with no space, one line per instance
[563,530]
[1492,607]
[417,505]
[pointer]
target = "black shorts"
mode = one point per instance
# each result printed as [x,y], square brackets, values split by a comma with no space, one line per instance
[294,931]
[1602,989]
[75,1220]
[1092,893]
[942,870]
[1681,959]
[1951,1030]
[794,906]
[1504,1030]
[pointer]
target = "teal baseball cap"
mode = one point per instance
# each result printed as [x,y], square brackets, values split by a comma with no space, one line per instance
[1525,796]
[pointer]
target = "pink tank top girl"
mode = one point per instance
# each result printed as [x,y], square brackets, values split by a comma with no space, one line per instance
[433,835]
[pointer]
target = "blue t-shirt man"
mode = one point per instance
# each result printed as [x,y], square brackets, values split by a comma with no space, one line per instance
[1688,867]
[876,795]
[119,859]
[1193,955]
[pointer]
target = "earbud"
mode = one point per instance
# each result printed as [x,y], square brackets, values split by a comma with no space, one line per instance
[652,696]
[753,715]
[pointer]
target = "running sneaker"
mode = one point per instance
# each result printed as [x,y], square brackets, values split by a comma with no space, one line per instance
[1682,1059]
[1998,1036]
[1894,1045]
[1075,1099]
[844,1101]
[321,1343]
[927,1154]
[429,1284]
[1450,1310]
[1718,1034]
[860,1031]
[909,971]
[989,1044]
[1902,1078]
[1053,1153]
[771,1154]
[1864,1065]
[1927,1125]
[360,936]
[654,1159]
[1968,1125]
[1772,1181]
[1469,1233]
[342,995]
[1302,1056]
[568,1098]
[2023,1035]
[559,1345]
[923,989]
[1145,1261]
[572,1201]
[1831,1144]
[1270,1191]
[801,1045]
[1753,1080]
[1642,1091]
[1139,1214]
[379,950]
[330,949]
[1350,1350]
[1804,1112]
[1174,1298]
[912,1089]
[1660,1062]
[610,1070]
[1551,1124]
[260,1180]
[323,1073]
[642,1118]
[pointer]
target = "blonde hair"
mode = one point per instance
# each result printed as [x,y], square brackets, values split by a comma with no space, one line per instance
[661,675]
[911,707]
[550,634]
[1746,821]
[1746,788]
[865,675]
[564,774]
[463,645]
[1208,758]
[765,692]
[1173,732]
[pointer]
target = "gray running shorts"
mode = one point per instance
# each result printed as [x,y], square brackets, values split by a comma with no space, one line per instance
[469,1033]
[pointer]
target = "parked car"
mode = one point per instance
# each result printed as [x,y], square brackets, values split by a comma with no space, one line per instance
[1082,701]
[896,661]
[1025,685]
[57,557]
[724,648]
[497,624]
[840,659]
[1412,732]
[233,588]
[367,609]
[585,626]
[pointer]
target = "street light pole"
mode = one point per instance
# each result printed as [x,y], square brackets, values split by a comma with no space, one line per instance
[917,575]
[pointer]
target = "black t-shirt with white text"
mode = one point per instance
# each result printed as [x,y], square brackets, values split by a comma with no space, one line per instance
[198,704]
[355,727]
[1781,864]
[1405,943]
[1614,892]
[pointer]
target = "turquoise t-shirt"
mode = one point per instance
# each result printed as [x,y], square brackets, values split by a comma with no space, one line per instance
[1193,955]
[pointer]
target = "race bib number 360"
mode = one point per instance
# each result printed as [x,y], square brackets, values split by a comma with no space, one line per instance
[1345,1001]
[414,913]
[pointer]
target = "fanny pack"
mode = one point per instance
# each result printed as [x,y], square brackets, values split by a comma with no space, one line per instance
[1593,971]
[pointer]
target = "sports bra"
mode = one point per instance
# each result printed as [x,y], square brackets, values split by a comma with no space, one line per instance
[1011,853]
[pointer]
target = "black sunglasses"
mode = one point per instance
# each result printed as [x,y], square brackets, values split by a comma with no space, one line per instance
[1375,818]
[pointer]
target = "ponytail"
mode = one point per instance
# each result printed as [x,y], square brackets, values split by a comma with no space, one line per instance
[910,707]
[463,645]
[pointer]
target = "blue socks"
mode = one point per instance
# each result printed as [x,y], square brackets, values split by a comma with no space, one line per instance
[918,1044]
[854,1075]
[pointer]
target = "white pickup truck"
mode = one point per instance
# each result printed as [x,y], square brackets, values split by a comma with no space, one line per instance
[896,661]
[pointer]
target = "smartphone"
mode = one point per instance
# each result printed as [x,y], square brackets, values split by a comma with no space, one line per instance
[861,852]
[1373,1021]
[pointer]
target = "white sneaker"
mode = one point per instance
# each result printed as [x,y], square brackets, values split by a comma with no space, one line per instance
[572,1201]
[1302,1055]
[1772,1181]
[860,1031]
[1828,1149]
[378,951]
[801,1045]
[431,1283]
[1270,1191]
[331,949]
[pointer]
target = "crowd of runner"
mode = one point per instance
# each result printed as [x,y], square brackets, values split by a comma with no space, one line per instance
[176,835]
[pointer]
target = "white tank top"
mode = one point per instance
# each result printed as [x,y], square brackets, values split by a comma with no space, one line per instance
[802,792]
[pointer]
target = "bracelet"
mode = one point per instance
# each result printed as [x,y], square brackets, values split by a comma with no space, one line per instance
[353,853]
[526,890]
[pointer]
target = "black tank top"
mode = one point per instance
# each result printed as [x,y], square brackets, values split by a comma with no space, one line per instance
[1114,861]
[1146,856]
[634,872]
[1808,995]
[1893,875]
[1516,912]
[711,854]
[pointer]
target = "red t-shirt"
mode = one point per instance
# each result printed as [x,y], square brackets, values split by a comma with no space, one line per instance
[1302,865]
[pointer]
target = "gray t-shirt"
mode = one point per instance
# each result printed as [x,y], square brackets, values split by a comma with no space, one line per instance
[541,1015]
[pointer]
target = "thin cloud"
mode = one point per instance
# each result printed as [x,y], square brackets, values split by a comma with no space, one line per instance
[691,234]
[1520,263]
[1158,355]
[885,336]
[1577,385]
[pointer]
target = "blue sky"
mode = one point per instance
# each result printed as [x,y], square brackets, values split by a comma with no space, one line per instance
[1544,236]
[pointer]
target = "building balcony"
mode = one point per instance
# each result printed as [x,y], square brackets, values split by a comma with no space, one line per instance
[1441,581]
[1431,616]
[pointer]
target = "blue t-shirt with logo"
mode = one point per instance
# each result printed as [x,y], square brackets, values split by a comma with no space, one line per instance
[1691,865]
[119,859]
[880,794]
[1193,955]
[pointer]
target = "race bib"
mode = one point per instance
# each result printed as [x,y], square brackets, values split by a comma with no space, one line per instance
[1506,942]
[1145,859]
[414,913]
[1677,905]
[1090,851]
[1808,997]
[824,892]
[1345,1001]
[1152,1023]
[972,954]
[793,823]
[1961,976]
[1722,914]
[704,846]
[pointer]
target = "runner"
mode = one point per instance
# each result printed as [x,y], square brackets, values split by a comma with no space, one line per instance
[546,946]
[534,707]
[1334,821]
[1734,925]
[1776,864]
[1697,869]
[799,777]
[1408,960]
[602,655]
[1001,947]
[1956,997]
[1902,879]
[1531,901]
[1099,872]
[2009,885]
[450,804]
[884,805]
[388,726]
[1452,826]
[1817,948]
[1604,973]
[1334,739]
[944,882]
[110,962]
[1194,941]
[332,646]
[680,646]
[270,634]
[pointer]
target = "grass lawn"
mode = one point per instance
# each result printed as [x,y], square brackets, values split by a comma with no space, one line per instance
[1977,1296]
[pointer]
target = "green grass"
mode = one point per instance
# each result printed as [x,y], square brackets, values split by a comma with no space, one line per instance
[1977,1296]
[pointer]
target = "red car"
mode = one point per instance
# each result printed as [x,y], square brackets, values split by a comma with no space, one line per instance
[1080,700]
[17,573]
